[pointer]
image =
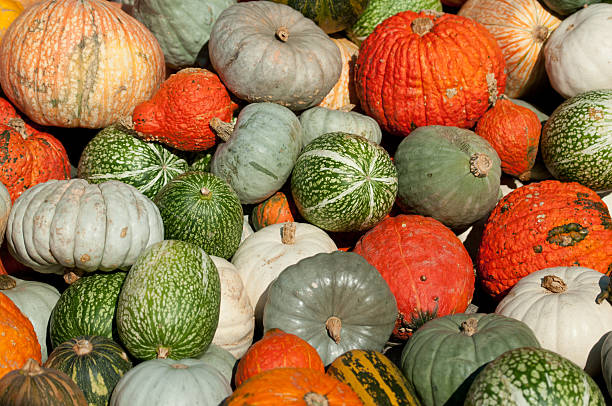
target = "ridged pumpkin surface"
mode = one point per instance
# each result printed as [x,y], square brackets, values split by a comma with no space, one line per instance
[413,70]
[543,225]
[78,63]
[520,27]
[343,93]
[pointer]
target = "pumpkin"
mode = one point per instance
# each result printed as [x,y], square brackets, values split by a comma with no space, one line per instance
[277,349]
[273,210]
[521,28]
[36,385]
[267,52]
[36,301]
[444,356]
[201,208]
[179,113]
[514,132]
[260,152]
[354,309]
[543,225]
[448,173]
[5,209]
[331,15]
[577,54]
[575,332]
[9,10]
[566,7]
[181,382]
[235,330]
[182,32]
[265,254]
[436,81]
[533,376]
[95,363]
[18,340]
[317,121]
[80,225]
[221,359]
[293,386]
[606,352]
[28,156]
[343,92]
[91,63]
[426,266]
[169,303]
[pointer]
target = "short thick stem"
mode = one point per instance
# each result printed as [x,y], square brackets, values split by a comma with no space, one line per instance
[540,33]
[72,275]
[32,367]
[469,327]
[162,352]
[6,282]
[282,33]
[421,25]
[205,192]
[288,233]
[480,165]
[554,284]
[334,326]
[221,128]
[82,347]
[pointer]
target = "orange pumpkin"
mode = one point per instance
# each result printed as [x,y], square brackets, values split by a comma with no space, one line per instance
[18,340]
[9,10]
[343,93]
[78,63]
[520,27]
[275,209]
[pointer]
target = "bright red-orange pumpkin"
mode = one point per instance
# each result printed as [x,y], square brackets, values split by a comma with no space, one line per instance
[425,265]
[543,225]
[428,68]
[275,209]
[514,132]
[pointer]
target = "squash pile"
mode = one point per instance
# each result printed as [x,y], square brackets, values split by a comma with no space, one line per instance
[314,202]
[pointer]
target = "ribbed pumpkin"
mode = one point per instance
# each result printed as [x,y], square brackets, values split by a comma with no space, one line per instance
[179,113]
[277,349]
[521,28]
[343,93]
[319,120]
[78,63]
[514,132]
[18,340]
[9,10]
[543,225]
[434,80]
[275,209]
[426,266]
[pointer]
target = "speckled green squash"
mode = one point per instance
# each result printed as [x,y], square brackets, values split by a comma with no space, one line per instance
[169,303]
[343,182]
[330,15]
[95,363]
[533,376]
[116,154]
[576,141]
[87,307]
[201,208]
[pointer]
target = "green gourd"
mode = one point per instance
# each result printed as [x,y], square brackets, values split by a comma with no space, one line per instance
[317,121]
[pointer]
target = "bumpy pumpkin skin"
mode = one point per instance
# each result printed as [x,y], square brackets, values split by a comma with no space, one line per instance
[179,113]
[543,225]
[514,132]
[78,63]
[413,71]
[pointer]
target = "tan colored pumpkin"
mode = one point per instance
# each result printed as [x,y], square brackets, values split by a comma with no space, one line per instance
[78,63]
[343,93]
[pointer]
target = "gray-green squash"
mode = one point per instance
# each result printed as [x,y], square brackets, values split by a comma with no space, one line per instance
[317,121]
[221,359]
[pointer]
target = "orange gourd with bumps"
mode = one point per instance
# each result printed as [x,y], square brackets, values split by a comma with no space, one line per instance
[275,209]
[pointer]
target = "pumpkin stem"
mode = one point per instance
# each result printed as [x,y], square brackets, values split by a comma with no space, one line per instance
[525,176]
[606,294]
[82,347]
[221,128]
[469,327]
[554,284]
[480,164]
[492,87]
[540,33]
[162,352]
[205,192]
[288,233]
[18,125]
[315,399]
[32,367]
[282,33]
[72,275]
[333,326]
[127,122]
[421,26]
[6,282]
[179,366]
[347,107]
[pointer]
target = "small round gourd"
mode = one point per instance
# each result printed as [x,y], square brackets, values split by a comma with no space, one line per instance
[317,121]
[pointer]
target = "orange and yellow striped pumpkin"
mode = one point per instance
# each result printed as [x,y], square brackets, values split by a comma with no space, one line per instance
[78,63]
[343,93]
[520,27]
[9,10]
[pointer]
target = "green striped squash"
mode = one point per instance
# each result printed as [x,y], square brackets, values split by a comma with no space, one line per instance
[87,307]
[343,182]
[201,208]
[169,303]
[95,363]
[576,140]
[330,15]
[533,376]
[374,378]
[116,154]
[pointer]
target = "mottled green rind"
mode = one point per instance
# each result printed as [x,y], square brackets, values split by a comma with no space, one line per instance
[96,372]
[567,7]
[379,10]
[533,376]
[576,140]
[441,362]
[213,222]
[343,182]
[170,299]
[116,154]
[87,307]
[331,15]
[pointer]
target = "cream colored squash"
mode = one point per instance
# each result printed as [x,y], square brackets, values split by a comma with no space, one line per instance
[343,92]
[5,209]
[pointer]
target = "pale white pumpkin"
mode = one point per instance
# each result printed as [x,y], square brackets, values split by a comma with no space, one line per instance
[236,320]
[247,230]
[265,254]
[559,304]
[578,54]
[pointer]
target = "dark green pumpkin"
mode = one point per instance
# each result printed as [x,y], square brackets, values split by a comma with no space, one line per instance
[567,7]
[331,15]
